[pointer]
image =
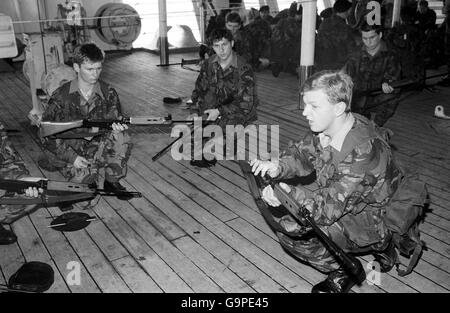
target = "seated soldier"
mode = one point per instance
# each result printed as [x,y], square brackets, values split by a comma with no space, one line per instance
[233,23]
[335,39]
[225,86]
[264,12]
[285,42]
[406,40]
[425,17]
[84,151]
[356,176]
[11,167]
[259,33]
[373,68]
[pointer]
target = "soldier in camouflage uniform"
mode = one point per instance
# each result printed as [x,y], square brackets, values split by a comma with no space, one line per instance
[335,39]
[11,167]
[225,86]
[259,34]
[84,151]
[285,42]
[240,36]
[264,12]
[355,173]
[374,67]
[406,40]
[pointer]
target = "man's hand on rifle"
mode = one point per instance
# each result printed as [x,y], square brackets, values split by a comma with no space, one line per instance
[118,127]
[387,88]
[32,192]
[269,196]
[263,167]
[81,162]
[213,114]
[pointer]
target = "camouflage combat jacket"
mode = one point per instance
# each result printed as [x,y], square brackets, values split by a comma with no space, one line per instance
[355,182]
[259,33]
[370,72]
[287,32]
[335,42]
[232,90]
[67,104]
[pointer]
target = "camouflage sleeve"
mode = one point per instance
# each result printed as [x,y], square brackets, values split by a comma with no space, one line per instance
[244,100]
[392,71]
[297,159]
[201,86]
[59,147]
[359,174]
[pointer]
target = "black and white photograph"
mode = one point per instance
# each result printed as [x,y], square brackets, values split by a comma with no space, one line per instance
[226,155]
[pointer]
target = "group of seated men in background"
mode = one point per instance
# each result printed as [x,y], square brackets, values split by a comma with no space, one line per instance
[375,56]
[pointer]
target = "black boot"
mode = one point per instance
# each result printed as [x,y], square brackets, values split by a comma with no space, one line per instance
[203,162]
[387,258]
[336,282]
[7,237]
[117,188]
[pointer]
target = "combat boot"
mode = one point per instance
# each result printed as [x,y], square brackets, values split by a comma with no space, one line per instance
[118,189]
[387,258]
[203,163]
[7,237]
[336,282]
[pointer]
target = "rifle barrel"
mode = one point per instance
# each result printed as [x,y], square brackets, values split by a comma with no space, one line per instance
[160,153]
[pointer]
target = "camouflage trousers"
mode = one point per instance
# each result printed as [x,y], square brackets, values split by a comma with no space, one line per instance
[13,168]
[311,250]
[110,152]
[378,108]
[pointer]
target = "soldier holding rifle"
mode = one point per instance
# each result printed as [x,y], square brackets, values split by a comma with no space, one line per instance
[11,167]
[225,87]
[81,154]
[374,66]
[356,176]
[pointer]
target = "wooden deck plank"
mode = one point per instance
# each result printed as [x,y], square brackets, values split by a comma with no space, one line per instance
[152,214]
[246,270]
[134,276]
[218,271]
[194,176]
[258,257]
[157,268]
[184,268]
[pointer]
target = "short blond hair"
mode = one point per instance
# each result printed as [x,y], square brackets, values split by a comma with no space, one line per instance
[337,85]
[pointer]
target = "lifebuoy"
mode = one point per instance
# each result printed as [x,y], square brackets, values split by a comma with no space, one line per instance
[116,23]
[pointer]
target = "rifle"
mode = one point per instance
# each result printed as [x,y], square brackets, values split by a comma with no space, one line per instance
[350,263]
[399,84]
[82,191]
[50,128]
[182,63]
[166,148]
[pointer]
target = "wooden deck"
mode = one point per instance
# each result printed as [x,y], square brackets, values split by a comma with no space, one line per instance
[199,230]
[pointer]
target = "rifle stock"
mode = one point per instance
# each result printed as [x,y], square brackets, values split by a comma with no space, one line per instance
[51,128]
[350,263]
